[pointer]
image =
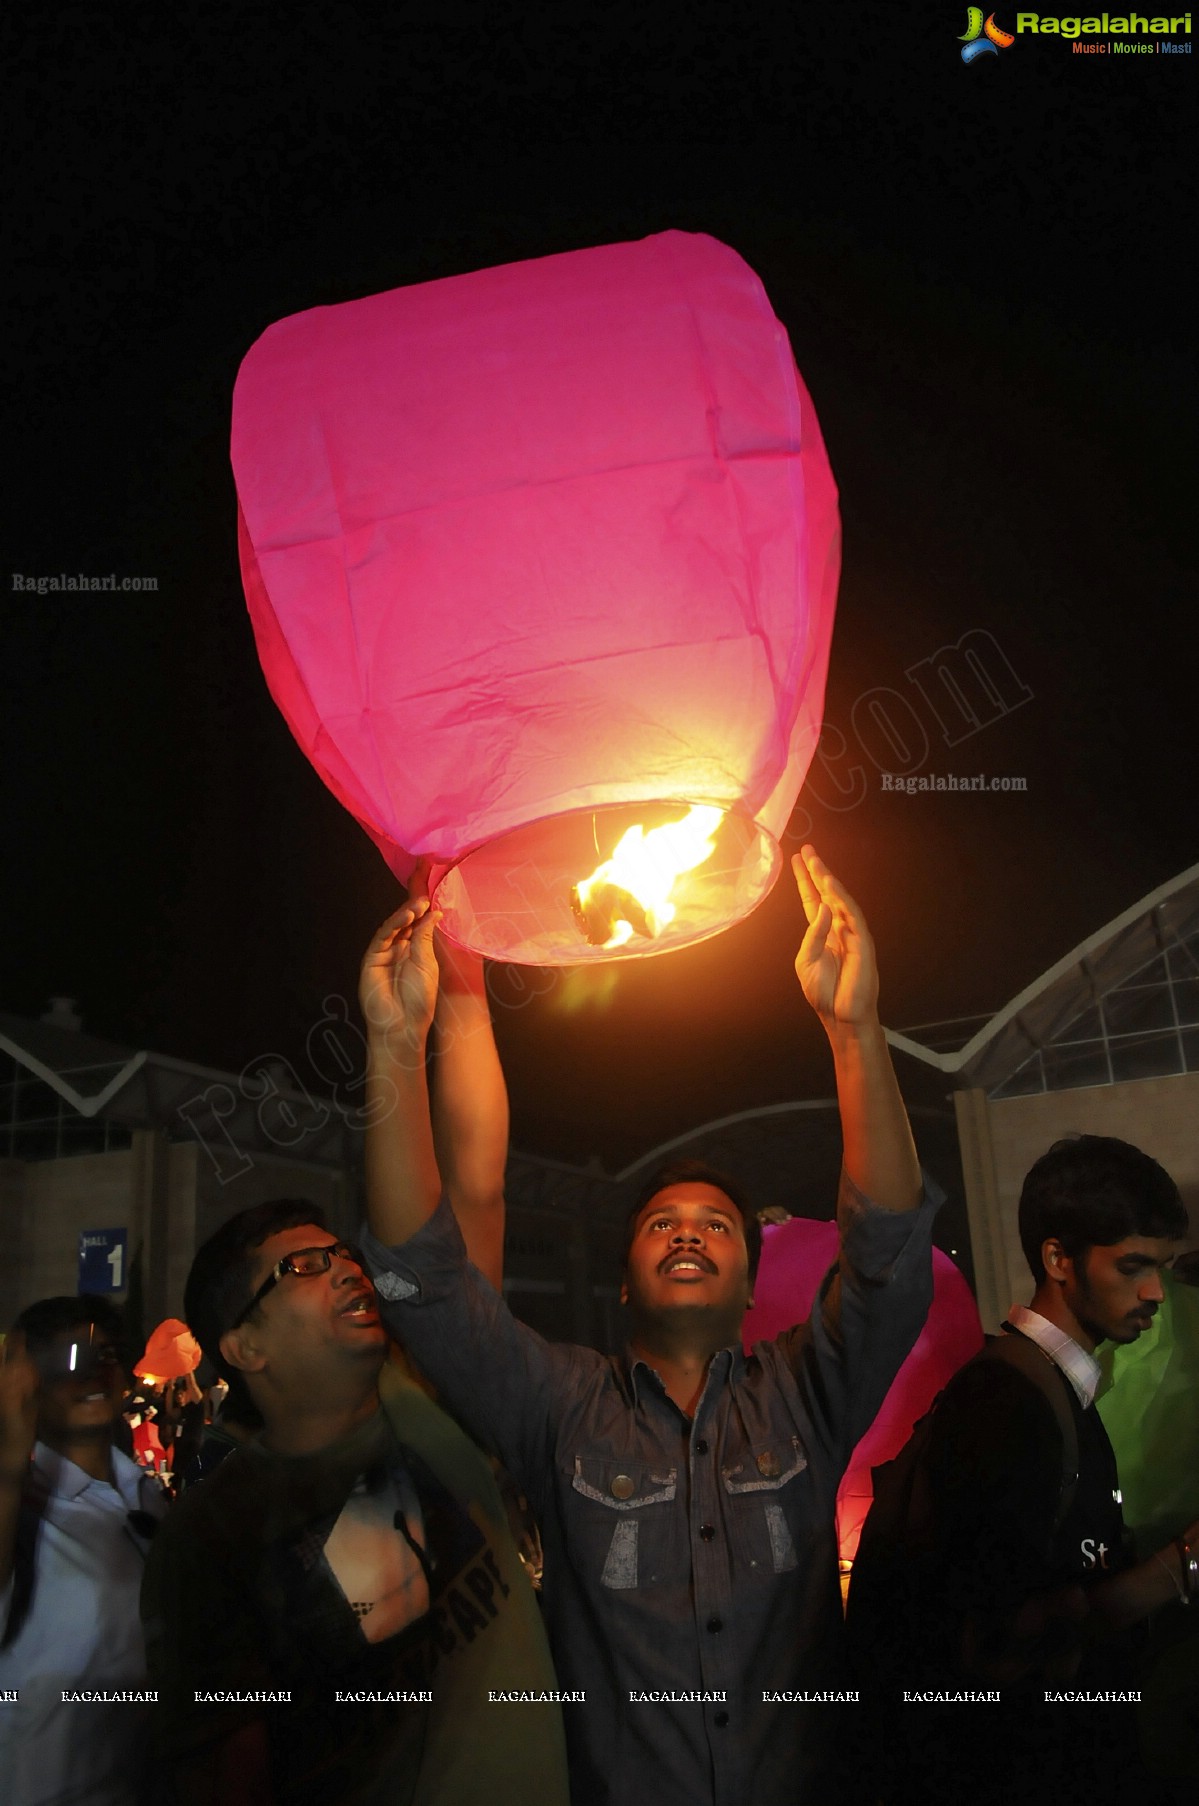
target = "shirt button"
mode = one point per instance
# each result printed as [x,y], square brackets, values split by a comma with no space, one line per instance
[707,1532]
[622,1487]
[721,1719]
[715,1624]
[701,1447]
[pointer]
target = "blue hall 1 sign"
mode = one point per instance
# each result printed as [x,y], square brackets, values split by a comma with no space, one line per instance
[103,1260]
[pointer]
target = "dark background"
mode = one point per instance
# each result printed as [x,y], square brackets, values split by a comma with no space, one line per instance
[983,272]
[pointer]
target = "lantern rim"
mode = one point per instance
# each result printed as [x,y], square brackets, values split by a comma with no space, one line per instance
[508,897]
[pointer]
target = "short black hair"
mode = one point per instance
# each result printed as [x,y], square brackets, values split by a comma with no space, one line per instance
[1090,1191]
[40,1323]
[220,1283]
[698,1172]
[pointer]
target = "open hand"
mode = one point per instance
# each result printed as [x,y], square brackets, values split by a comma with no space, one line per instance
[397,987]
[835,964]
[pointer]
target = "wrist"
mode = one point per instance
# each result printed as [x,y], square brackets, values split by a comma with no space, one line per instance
[863,1032]
[393,1045]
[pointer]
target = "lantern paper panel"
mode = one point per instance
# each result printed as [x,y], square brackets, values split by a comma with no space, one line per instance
[537,554]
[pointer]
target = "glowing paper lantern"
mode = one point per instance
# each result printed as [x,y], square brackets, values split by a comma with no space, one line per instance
[795,1258]
[538,555]
[171,1353]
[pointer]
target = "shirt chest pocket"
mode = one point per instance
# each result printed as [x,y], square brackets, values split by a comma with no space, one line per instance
[764,1496]
[622,1514]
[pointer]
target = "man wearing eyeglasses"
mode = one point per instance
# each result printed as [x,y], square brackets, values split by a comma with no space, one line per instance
[75,1518]
[328,1613]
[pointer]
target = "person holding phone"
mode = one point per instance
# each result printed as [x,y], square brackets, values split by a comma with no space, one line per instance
[76,1516]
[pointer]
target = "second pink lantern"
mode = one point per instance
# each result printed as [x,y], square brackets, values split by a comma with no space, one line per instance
[537,555]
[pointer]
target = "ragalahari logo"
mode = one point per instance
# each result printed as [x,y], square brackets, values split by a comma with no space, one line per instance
[982,39]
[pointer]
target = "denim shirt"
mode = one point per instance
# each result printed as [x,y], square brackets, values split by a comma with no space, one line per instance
[682,1556]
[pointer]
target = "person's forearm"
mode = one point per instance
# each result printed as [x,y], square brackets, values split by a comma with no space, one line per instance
[10,1506]
[403,1183]
[470,1111]
[879,1153]
[1128,1597]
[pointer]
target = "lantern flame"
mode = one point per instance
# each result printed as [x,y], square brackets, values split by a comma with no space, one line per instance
[630,893]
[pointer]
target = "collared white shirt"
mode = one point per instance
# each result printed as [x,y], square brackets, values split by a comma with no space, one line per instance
[1081,1369]
[82,1630]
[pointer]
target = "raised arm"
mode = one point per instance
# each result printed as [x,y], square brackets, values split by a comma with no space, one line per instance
[19,1384]
[470,1108]
[398,990]
[464,1146]
[505,1384]
[837,969]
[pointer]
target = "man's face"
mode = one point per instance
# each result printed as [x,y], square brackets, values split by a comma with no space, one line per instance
[688,1252]
[308,1320]
[1114,1290]
[82,1387]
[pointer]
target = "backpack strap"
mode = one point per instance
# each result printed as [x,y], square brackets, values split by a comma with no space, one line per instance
[1029,1358]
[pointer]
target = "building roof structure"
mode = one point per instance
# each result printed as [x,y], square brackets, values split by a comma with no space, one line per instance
[1123,1004]
[63,1091]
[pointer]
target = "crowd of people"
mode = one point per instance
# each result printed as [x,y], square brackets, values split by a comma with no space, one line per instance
[334,1598]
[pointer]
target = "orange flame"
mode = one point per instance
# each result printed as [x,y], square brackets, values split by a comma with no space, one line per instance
[630,893]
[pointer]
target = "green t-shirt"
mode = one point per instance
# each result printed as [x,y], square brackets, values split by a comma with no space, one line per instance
[243,1598]
[1149,1402]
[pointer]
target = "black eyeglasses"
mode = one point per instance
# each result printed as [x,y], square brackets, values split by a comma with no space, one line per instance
[305,1263]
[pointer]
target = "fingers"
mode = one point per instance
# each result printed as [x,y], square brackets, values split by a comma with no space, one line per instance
[397,922]
[829,890]
[809,896]
[421,937]
[20,1385]
[418,883]
[17,1360]
[813,943]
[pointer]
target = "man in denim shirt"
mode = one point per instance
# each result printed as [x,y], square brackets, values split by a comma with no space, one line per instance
[686,1492]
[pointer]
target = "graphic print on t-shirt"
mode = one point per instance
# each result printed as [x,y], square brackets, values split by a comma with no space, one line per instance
[375,1554]
[387,1535]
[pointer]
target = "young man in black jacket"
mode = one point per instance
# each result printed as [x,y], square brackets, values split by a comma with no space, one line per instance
[995,1602]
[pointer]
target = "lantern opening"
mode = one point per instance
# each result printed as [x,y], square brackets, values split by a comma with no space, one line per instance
[631,892]
[678,873]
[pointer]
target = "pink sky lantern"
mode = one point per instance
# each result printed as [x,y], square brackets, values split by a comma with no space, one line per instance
[795,1258]
[542,563]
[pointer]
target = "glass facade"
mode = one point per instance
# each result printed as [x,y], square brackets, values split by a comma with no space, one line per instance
[37,1124]
[1145,1027]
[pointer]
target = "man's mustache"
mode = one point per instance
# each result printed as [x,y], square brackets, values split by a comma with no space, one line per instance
[692,1254]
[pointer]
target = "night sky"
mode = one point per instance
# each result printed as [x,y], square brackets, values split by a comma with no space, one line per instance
[983,271]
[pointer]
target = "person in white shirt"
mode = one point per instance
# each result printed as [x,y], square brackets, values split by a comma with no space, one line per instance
[76,1516]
